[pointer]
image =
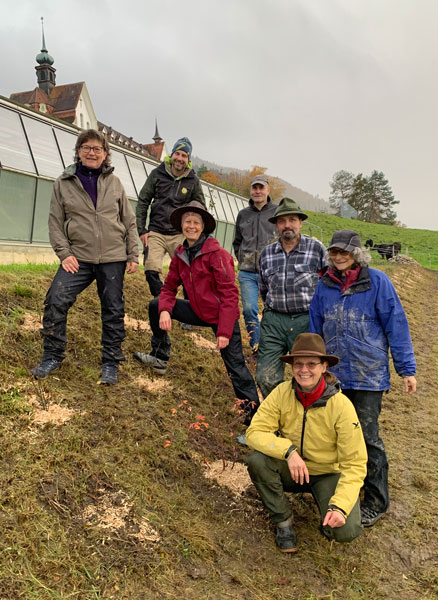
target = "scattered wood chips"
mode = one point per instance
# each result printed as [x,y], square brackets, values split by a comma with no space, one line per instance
[137,324]
[55,414]
[154,385]
[31,322]
[235,476]
[113,511]
[202,342]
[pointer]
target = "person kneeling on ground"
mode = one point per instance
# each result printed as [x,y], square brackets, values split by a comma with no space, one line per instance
[207,272]
[306,437]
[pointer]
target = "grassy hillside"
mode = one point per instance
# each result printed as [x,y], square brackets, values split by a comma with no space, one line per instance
[421,244]
[105,493]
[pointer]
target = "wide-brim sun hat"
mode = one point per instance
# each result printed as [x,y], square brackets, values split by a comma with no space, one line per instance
[345,239]
[287,206]
[310,344]
[195,207]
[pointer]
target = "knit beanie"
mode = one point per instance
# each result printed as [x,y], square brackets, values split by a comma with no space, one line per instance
[183,144]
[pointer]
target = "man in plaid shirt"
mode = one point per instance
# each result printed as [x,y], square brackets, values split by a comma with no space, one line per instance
[288,276]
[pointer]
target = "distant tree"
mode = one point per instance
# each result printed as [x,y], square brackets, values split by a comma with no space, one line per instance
[341,190]
[277,186]
[202,169]
[211,177]
[373,199]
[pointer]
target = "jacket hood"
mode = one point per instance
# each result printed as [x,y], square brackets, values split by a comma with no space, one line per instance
[71,170]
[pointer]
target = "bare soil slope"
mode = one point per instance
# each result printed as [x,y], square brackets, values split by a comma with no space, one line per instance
[119,492]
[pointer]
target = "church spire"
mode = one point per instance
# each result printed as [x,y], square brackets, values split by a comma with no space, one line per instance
[45,71]
[157,138]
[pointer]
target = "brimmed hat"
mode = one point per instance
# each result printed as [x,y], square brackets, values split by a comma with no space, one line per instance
[345,239]
[310,344]
[261,179]
[196,207]
[287,206]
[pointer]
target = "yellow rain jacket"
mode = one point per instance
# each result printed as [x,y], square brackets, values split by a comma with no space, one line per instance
[328,436]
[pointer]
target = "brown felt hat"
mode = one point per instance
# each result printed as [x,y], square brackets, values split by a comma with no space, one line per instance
[310,344]
[196,207]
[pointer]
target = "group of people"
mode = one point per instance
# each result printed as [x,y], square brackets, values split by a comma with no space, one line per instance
[322,309]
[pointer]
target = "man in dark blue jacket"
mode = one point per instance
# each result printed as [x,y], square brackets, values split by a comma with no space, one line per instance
[169,186]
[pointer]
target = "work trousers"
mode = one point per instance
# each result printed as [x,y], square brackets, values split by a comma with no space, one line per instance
[272,478]
[368,405]
[277,335]
[158,246]
[61,296]
[241,379]
[249,292]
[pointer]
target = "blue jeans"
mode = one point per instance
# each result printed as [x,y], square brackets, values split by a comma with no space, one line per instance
[249,291]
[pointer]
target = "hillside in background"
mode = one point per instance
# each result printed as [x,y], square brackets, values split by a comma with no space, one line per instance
[304,199]
[120,493]
[420,244]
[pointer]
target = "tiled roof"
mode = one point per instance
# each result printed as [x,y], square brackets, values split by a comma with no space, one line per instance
[66,97]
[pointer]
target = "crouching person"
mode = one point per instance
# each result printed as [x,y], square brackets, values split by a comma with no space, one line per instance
[207,272]
[306,437]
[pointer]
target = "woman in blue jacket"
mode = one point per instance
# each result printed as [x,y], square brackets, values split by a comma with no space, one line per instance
[358,313]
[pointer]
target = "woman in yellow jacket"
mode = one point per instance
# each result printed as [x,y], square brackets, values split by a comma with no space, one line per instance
[306,437]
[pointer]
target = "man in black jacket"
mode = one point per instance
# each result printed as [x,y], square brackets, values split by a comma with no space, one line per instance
[252,233]
[169,186]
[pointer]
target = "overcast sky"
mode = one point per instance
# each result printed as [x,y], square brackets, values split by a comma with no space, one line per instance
[302,87]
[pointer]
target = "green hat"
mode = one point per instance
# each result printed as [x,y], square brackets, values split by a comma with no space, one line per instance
[287,206]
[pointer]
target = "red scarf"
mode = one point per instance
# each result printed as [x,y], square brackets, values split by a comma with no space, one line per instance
[349,278]
[308,398]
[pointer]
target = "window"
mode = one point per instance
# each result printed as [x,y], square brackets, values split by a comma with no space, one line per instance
[14,150]
[44,148]
[17,192]
[122,172]
[137,171]
[67,143]
[42,207]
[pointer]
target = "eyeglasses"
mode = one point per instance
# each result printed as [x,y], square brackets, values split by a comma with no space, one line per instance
[96,149]
[297,364]
[334,251]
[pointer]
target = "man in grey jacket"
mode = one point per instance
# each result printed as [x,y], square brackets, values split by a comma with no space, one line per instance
[252,233]
[92,230]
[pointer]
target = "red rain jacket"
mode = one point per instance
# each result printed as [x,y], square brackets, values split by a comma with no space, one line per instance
[209,283]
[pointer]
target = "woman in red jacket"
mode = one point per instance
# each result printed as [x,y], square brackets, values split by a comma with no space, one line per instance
[207,272]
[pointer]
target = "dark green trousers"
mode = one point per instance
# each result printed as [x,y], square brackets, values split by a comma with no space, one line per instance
[277,335]
[272,478]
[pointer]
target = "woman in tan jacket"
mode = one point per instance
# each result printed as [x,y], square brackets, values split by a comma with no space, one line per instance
[92,230]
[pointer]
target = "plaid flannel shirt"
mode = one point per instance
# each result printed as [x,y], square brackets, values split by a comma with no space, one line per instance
[287,282]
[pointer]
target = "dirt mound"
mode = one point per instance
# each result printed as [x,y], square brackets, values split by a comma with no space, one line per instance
[202,342]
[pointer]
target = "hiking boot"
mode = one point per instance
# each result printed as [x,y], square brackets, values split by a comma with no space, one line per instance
[109,374]
[187,326]
[45,367]
[369,516]
[286,539]
[157,364]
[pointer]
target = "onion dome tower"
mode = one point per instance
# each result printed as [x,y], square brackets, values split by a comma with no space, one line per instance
[46,73]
